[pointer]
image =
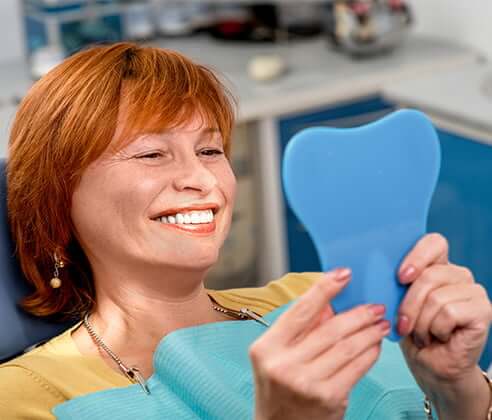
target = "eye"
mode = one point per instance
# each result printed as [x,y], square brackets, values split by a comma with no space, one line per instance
[150,155]
[211,152]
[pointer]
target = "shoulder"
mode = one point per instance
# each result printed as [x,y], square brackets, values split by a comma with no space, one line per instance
[34,383]
[269,297]
[25,394]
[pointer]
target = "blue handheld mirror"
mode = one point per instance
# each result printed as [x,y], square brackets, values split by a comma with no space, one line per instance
[363,194]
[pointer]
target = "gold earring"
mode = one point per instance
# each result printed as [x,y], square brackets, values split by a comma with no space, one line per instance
[56,282]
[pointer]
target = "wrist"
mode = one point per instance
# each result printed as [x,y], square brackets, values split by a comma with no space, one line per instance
[469,398]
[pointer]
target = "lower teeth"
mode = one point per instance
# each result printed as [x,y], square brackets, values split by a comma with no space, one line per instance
[185,224]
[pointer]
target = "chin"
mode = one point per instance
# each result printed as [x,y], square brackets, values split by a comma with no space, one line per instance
[196,262]
[196,266]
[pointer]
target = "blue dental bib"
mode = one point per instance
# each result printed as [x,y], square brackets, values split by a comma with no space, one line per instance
[204,373]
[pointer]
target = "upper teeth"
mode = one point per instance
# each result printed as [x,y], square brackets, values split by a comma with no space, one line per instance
[192,217]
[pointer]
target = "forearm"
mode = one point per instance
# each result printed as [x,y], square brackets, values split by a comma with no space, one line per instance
[469,399]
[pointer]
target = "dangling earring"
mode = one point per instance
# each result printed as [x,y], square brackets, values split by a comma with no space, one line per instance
[56,282]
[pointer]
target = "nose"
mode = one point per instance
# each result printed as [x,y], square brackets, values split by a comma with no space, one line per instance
[193,175]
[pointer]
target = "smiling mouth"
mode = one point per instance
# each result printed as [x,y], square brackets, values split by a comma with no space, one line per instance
[192,221]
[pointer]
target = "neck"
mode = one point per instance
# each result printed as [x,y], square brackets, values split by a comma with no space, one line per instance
[133,313]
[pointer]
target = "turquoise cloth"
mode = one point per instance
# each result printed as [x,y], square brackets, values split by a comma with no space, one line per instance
[204,372]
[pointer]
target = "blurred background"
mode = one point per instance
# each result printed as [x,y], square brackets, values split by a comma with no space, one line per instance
[294,64]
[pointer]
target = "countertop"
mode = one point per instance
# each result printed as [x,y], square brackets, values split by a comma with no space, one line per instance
[460,96]
[317,75]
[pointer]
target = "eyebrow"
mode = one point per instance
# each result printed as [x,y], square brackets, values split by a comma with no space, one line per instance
[206,133]
[211,130]
[208,130]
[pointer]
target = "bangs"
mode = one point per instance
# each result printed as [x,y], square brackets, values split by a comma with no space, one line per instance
[163,91]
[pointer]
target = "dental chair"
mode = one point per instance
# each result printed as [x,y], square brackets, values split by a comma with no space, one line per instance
[18,330]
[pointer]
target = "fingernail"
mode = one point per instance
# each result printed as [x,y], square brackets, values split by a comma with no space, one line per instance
[403,324]
[378,310]
[326,314]
[385,326]
[418,342]
[407,273]
[342,274]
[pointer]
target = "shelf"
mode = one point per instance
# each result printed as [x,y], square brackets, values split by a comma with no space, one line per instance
[72,15]
[93,9]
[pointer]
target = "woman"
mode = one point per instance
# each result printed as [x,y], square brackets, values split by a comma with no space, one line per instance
[120,198]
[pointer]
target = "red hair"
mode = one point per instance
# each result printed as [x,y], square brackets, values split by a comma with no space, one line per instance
[65,122]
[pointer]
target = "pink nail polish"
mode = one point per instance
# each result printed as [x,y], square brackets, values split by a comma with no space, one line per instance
[378,310]
[342,274]
[408,273]
[385,326]
[403,325]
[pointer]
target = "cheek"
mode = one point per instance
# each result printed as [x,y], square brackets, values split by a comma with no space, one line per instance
[87,204]
[92,209]
[108,204]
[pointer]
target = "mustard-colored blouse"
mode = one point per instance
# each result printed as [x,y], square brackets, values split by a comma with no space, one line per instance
[32,384]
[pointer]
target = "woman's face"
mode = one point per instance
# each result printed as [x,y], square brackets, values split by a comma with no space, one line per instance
[165,199]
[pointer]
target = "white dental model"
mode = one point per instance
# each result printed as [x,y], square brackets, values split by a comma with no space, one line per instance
[266,67]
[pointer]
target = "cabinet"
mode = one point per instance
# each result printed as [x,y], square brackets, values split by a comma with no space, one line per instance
[462,205]
[461,208]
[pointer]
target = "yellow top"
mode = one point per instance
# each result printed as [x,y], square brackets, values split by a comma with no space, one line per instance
[34,383]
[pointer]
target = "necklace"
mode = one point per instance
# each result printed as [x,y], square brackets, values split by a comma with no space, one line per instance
[133,373]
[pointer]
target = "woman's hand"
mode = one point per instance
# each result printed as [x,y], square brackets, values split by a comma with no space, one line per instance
[308,361]
[445,318]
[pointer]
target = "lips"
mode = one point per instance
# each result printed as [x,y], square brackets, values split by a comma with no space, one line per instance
[199,229]
[196,219]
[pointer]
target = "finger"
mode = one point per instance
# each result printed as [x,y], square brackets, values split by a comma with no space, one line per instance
[431,278]
[340,384]
[345,351]
[433,248]
[332,331]
[434,303]
[325,314]
[306,310]
[472,314]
